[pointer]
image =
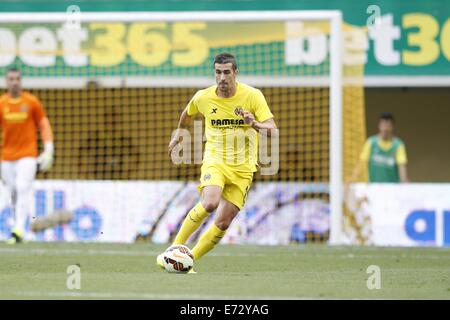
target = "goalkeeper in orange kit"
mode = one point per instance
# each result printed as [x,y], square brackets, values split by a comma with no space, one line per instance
[21,116]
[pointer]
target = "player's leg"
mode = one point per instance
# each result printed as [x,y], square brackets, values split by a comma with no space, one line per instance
[8,172]
[209,202]
[26,172]
[233,198]
[212,182]
[224,216]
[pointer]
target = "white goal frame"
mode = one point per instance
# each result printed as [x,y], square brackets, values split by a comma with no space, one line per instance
[334,81]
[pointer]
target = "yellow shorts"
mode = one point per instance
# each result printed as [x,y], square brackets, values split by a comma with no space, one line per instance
[234,184]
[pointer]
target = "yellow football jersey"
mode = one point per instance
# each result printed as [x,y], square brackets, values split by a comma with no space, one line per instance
[229,140]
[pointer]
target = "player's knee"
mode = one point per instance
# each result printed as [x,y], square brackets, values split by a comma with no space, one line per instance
[223,224]
[210,204]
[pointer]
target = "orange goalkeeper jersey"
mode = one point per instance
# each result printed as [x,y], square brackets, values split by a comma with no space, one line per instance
[19,119]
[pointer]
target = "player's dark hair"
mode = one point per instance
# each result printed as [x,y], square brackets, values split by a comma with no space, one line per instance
[225,57]
[13,69]
[387,116]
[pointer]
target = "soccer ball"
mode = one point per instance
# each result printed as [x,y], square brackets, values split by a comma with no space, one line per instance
[178,259]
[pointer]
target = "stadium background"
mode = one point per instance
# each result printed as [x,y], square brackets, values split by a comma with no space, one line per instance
[112,147]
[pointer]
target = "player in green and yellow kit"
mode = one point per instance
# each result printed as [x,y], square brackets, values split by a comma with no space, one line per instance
[234,114]
[384,154]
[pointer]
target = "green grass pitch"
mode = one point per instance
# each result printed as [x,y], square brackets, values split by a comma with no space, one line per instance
[128,271]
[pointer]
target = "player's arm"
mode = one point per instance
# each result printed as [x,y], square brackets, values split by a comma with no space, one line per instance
[402,163]
[263,119]
[185,120]
[183,123]
[268,125]
[45,159]
[403,171]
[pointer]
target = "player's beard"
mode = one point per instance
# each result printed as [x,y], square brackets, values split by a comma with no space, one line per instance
[225,88]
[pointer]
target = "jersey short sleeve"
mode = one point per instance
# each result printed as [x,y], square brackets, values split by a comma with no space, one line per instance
[400,156]
[192,107]
[38,110]
[262,111]
[365,153]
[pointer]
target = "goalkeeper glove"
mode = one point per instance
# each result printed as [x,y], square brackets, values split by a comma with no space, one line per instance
[45,159]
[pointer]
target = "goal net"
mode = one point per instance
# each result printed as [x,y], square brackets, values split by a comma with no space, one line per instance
[114,85]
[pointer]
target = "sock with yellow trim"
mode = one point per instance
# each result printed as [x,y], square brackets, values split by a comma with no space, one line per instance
[191,223]
[207,241]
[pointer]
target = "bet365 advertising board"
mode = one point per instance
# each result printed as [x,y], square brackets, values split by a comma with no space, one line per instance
[402,40]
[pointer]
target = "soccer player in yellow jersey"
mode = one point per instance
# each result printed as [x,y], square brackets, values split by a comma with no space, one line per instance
[234,114]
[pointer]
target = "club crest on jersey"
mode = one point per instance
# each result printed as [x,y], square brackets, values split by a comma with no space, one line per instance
[207,176]
[238,111]
[24,108]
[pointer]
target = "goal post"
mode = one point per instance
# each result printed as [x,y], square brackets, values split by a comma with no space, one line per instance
[153,61]
[336,129]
